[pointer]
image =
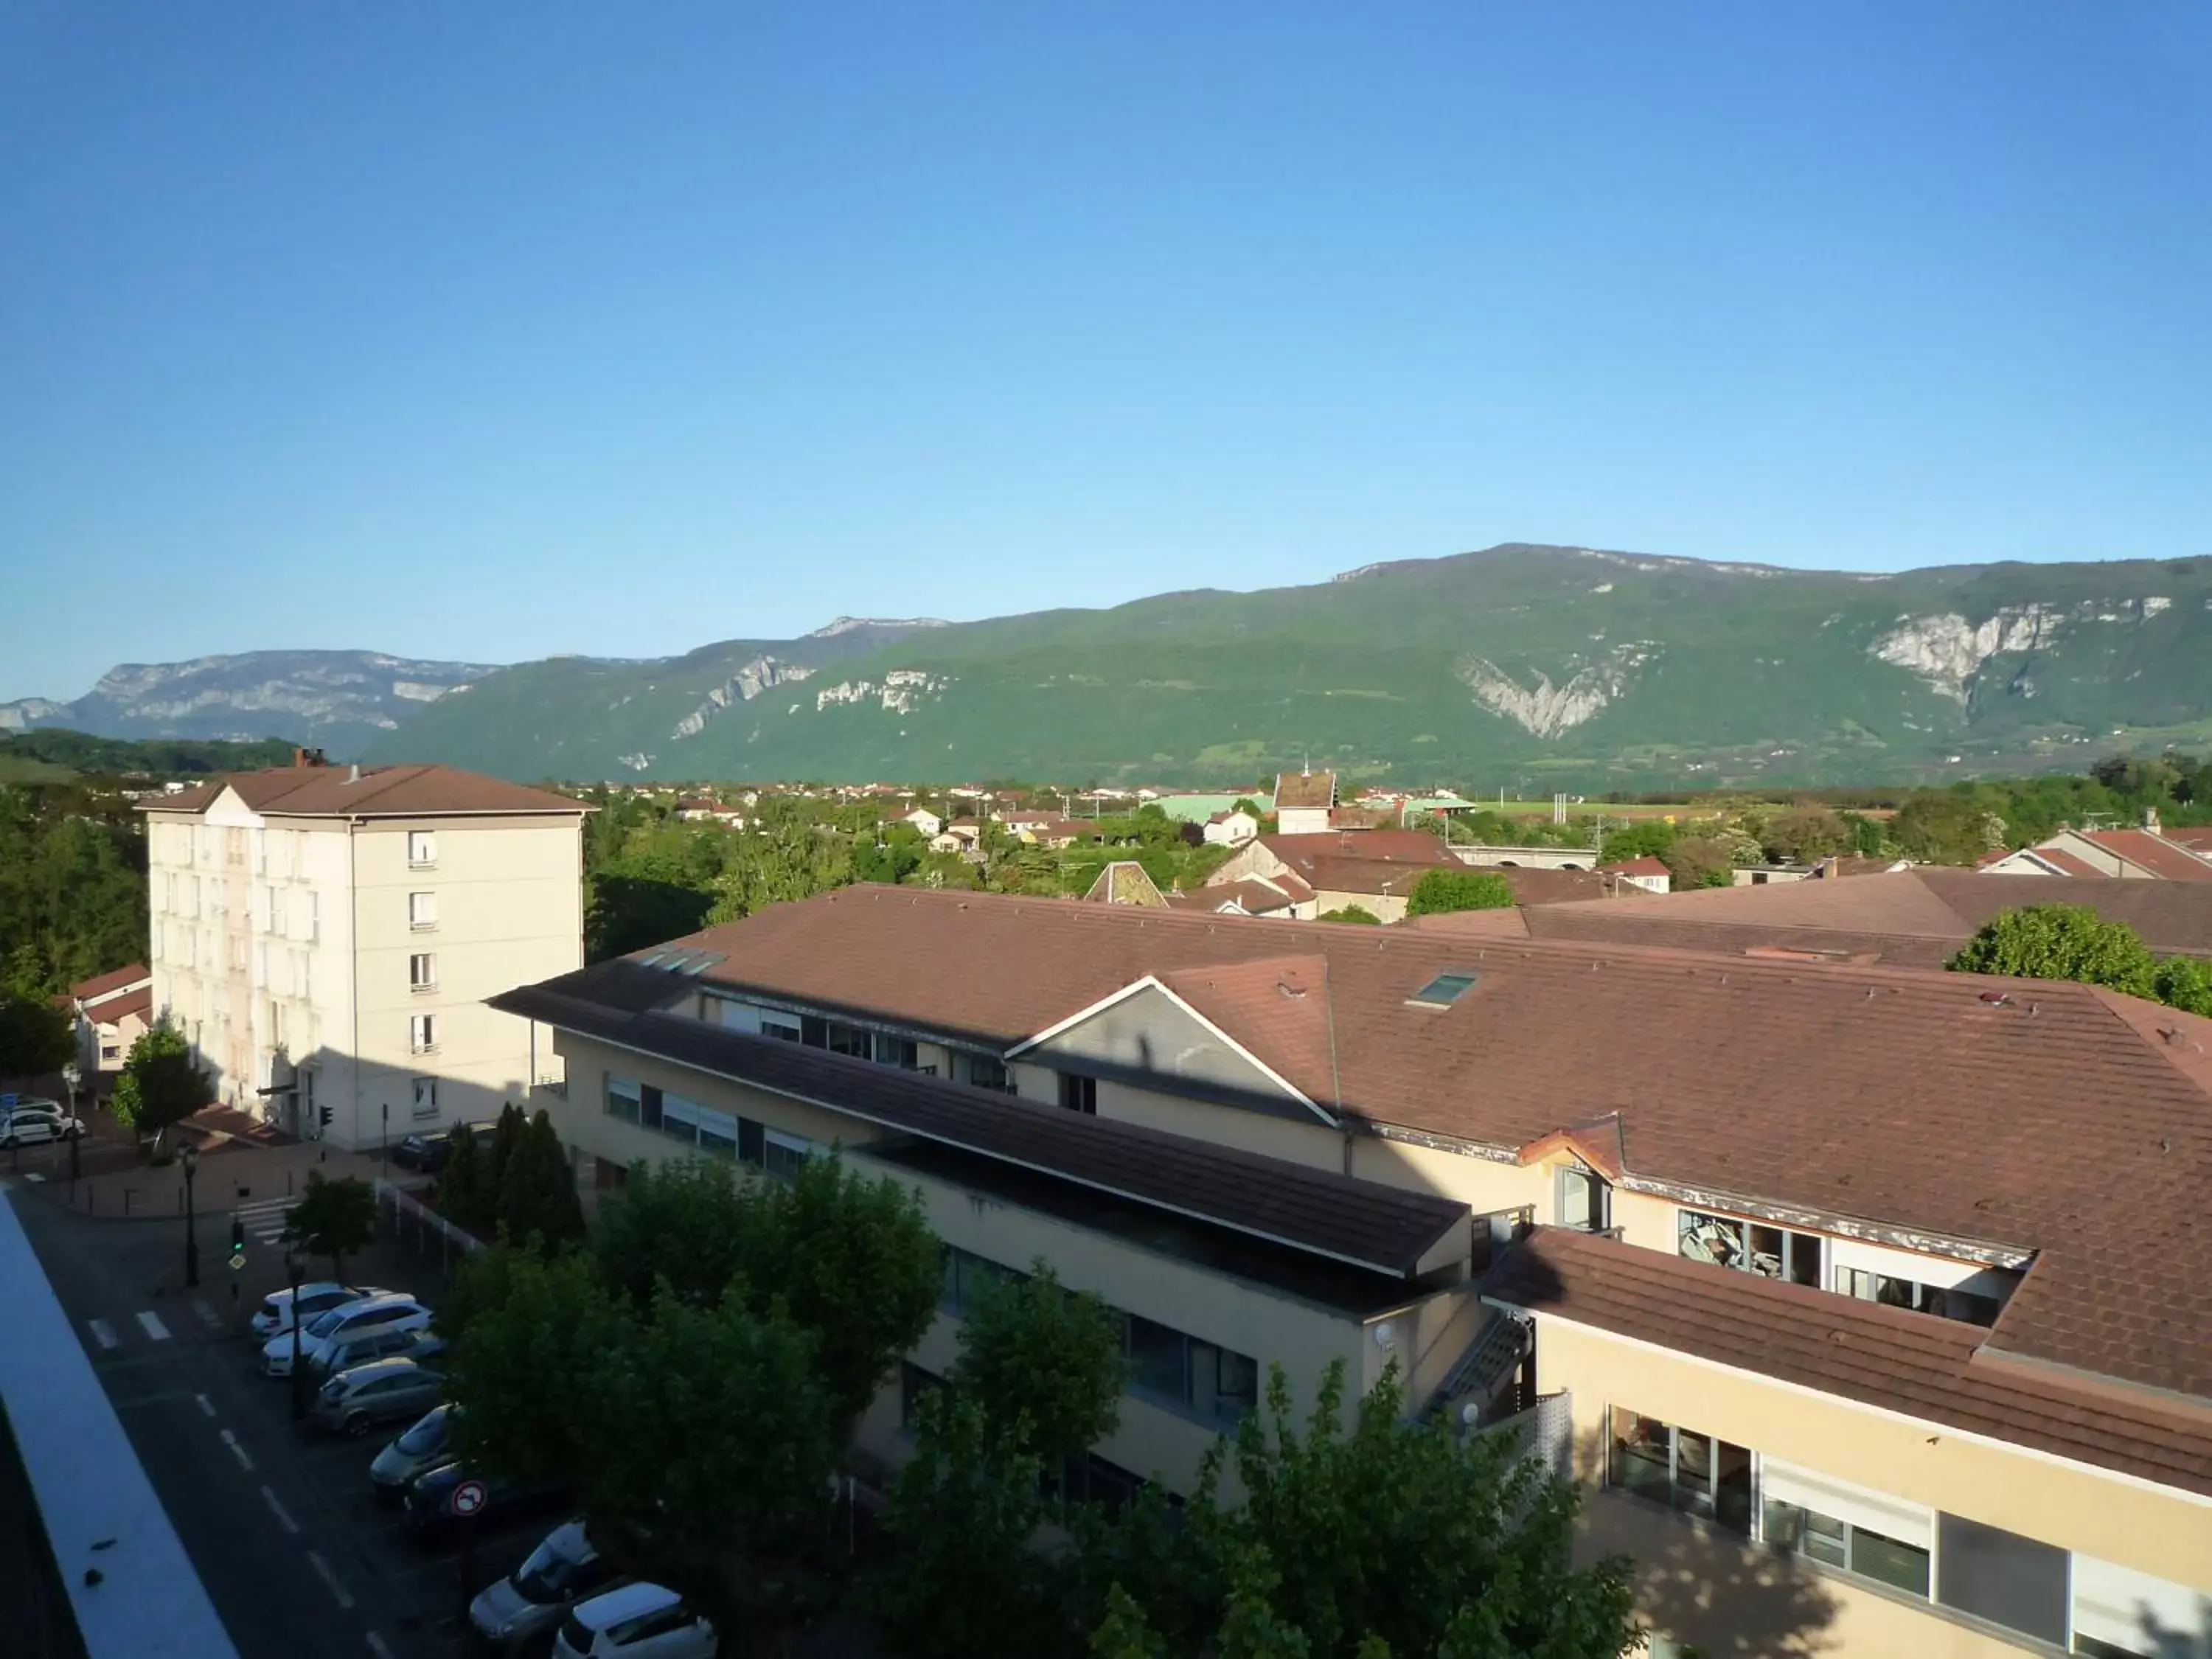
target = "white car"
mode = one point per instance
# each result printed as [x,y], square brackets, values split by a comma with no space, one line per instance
[35,1122]
[343,1323]
[524,1607]
[274,1316]
[638,1621]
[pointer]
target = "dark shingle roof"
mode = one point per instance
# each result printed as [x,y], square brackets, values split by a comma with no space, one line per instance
[1362,1222]
[1937,1370]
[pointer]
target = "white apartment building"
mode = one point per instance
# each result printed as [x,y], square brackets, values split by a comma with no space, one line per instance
[325,937]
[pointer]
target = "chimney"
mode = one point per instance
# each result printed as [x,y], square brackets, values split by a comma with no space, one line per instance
[352,773]
[308,758]
[2150,821]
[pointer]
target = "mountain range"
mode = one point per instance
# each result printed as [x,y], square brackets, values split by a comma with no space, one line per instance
[1531,666]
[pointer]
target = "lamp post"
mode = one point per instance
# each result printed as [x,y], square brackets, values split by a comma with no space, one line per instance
[384,1150]
[190,1157]
[292,1270]
[70,1077]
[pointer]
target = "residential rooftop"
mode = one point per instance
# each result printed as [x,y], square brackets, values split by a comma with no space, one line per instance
[366,792]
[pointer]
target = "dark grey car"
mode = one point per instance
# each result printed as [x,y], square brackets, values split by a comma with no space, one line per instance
[384,1391]
[521,1611]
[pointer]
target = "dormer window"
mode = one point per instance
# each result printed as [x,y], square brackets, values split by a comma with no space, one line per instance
[1584,1199]
[1751,1247]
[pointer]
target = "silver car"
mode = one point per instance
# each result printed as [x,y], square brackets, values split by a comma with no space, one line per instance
[427,1444]
[355,1402]
[519,1611]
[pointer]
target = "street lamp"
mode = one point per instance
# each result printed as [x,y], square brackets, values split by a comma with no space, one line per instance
[190,1157]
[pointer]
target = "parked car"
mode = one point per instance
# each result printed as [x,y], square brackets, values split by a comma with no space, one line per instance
[430,1150]
[274,1316]
[36,1122]
[431,1512]
[397,1341]
[338,1324]
[519,1611]
[428,1444]
[638,1621]
[356,1400]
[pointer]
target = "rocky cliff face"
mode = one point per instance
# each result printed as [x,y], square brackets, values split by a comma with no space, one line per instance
[335,699]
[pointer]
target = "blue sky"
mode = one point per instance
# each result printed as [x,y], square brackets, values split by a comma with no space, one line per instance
[490,330]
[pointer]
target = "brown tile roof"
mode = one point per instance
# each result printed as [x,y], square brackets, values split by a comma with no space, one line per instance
[2197,837]
[381,792]
[2153,852]
[1366,1223]
[2067,863]
[1646,865]
[1895,1098]
[1259,898]
[100,985]
[1305,789]
[1937,1370]
[1914,918]
[1531,886]
[1371,861]
[115,1010]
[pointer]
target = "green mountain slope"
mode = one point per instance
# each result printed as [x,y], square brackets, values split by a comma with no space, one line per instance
[1541,665]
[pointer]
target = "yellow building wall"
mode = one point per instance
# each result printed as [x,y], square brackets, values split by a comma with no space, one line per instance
[2166,1534]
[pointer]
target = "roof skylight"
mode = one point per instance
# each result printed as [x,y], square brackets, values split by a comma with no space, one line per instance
[1445,989]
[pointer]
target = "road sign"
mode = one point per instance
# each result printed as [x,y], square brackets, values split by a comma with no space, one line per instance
[237,1260]
[469,1496]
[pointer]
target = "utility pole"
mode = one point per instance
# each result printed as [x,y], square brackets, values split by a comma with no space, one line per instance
[190,1157]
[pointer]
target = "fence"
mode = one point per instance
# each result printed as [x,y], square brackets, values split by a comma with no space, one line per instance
[1546,1430]
[407,1212]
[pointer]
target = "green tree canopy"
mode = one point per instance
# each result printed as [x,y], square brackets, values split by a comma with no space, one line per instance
[1352,913]
[2061,941]
[36,1036]
[538,1197]
[1698,861]
[1648,838]
[1804,833]
[335,1218]
[1044,1362]
[1441,890]
[161,1084]
[2185,983]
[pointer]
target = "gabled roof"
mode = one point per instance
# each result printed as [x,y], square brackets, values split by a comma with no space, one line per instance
[108,984]
[2153,852]
[1648,865]
[117,1009]
[1305,789]
[1930,1105]
[379,791]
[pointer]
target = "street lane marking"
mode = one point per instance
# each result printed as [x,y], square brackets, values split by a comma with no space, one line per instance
[206,1406]
[323,1569]
[150,1322]
[104,1334]
[376,1646]
[238,1451]
[266,1217]
[209,1316]
[277,1509]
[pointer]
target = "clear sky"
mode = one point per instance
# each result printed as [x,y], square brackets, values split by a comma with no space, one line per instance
[488,330]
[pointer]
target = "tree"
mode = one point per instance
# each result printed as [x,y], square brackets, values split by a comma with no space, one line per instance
[1441,890]
[1648,838]
[1801,834]
[1353,914]
[537,1200]
[2185,983]
[1945,827]
[465,1189]
[36,1036]
[1699,861]
[161,1084]
[688,1221]
[2061,941]
[527,1334]
[335,1218]
[1388,1538]
[1043,1362]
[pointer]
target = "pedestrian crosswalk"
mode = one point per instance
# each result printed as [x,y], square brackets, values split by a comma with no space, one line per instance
[265,1218]
[147,1325]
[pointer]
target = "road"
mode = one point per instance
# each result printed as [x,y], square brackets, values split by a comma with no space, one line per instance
[278,1519]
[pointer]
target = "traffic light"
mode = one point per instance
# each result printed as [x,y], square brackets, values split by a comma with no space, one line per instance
[237,1237]
[326,1117]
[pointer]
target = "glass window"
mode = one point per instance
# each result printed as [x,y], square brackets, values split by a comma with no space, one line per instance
[752,1142]
[813,1032]
[1079,1094]
[718,1132]
[850,1040]
[2002,1578]
[785,1027]
[1750,1246]
[783,1154]
[989,1072]
[1693,1473]
[648,1106]
[422,971]
[1584,1201]
[622,1098]
[679,1119]
[1445,989]
[422,912]
[1158,1359]
[421,847]
[895,1051]
[1843,1545]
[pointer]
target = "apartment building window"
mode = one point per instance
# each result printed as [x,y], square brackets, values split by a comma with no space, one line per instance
[277,1025]
[276,911]
[784,1154]
[422,1034]
[1695,1474]
[785,1028]
[422,911]
[422,849]
[260,852]
[312,922]
[423,972]
[426,1096]
[1968,1306]
[302,975]
[1079,1094]
[969,1277]
[110,1051]
[624,1098]
[710,1131]
[842,1039]
[1584,1201]
[1751,1247]
[1170,1368]
[2002,1578]
[1844,1525]
[897,1051]
[989,1072]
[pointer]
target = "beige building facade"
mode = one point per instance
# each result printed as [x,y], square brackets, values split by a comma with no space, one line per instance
[326,937]
[1798,1269]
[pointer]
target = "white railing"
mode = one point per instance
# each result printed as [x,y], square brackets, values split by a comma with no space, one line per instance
[405,1208]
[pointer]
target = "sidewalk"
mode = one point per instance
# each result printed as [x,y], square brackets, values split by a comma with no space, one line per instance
[231,1172]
